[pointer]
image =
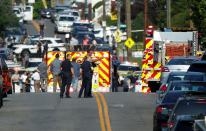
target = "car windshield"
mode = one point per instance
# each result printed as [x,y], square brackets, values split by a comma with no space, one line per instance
[75,13]
[128,68]
[197,67]
[16,11]
[188,77]
[66,19]
[172,97]
[181,61]
[33,64]
[190,107]
[187,87]
[89,25]
[59,41]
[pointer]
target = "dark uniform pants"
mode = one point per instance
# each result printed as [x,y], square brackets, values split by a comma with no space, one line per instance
[86,87]
[66,82]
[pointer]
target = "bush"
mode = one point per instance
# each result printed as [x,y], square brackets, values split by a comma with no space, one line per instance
[38,5]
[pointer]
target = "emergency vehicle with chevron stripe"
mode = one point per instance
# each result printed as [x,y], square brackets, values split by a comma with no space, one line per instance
[160,48]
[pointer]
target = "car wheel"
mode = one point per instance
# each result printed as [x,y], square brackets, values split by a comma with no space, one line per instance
[25,52]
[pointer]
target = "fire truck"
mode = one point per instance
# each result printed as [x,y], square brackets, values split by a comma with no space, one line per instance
[160,47]
[101,80]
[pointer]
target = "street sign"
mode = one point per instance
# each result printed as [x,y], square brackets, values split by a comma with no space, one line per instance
[114,16]
[118,35]
[129,43]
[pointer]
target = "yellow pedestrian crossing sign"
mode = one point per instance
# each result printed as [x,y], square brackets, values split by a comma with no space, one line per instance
[118,35]
[129,43]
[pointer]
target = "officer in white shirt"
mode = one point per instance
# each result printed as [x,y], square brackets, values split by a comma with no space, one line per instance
[36,77]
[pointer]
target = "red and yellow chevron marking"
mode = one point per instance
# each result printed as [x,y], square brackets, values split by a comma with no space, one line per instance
[157,66]
[148,61]
[149,43]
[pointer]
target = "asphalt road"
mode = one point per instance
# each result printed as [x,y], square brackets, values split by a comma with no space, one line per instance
[48,32]
[47,112]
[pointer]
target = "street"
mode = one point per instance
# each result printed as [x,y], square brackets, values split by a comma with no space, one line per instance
[47,112]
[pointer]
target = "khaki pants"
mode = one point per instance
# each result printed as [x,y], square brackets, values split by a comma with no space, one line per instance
[56,79]
[44,84]
[37,85]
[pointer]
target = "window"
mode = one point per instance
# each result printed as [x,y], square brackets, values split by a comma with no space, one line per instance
[59,41]
[181,61]
[197,67]
[27,9]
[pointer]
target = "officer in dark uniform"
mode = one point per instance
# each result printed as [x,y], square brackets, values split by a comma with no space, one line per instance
[66,74]
[86,71]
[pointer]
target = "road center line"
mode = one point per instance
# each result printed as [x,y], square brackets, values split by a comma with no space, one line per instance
[101,118]
[106,112]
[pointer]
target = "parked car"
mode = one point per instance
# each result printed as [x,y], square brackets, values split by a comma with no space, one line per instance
[179,64]
[58,9]
[164,106]
[17,11]
[189,105]
[14,35]
[126,67]
[87,24]
[182,76]
[54,44]
[182,86]
[64,23]
[186,122]
[72,12]
[5,81]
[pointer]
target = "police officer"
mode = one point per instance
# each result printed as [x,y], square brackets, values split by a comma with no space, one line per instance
[66,74]
[86,72]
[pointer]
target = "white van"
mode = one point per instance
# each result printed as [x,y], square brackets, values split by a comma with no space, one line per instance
[28,13]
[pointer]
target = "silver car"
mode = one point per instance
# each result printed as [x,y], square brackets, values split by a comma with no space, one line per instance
[177,64]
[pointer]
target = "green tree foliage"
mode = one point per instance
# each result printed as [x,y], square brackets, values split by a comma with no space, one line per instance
[7,17]
[198,17]
[180,13]
[37,8]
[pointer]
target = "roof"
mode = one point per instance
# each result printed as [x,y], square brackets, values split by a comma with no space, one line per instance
[186,73]
[183,57]
[46,38]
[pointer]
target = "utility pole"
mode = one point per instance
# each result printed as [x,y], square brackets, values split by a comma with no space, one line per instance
[118,14]
[53,3]
[104,19]
[128,21]
[168,13]
[86,9]
[145,20]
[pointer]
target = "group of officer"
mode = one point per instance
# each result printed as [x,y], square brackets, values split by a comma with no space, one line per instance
[63,73]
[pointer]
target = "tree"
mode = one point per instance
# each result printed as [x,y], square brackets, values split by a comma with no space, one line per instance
[199,17]
[7,17]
